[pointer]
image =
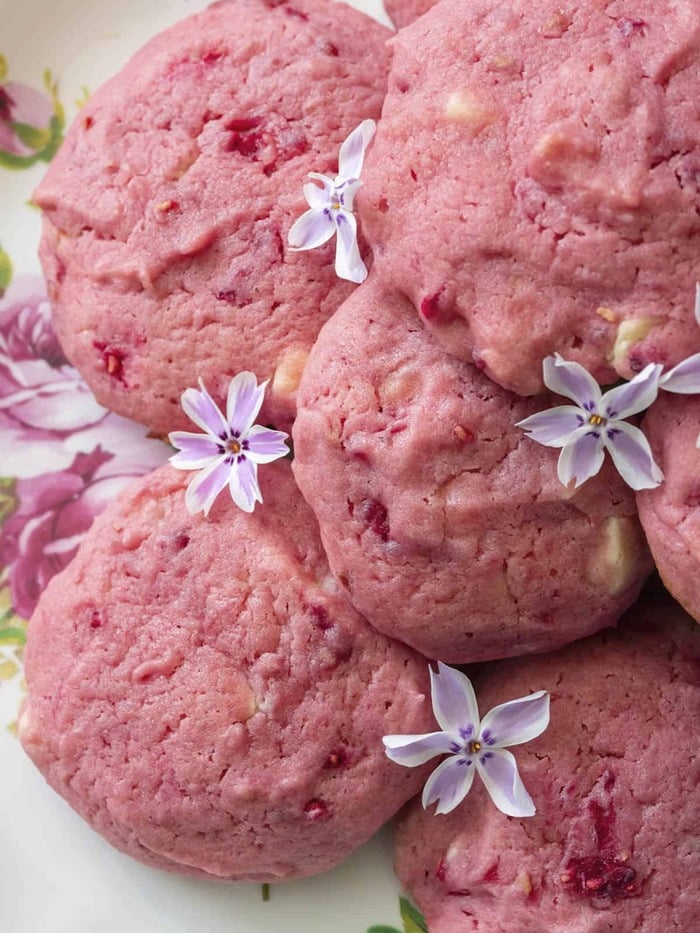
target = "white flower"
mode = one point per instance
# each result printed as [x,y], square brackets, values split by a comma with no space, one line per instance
[229,451]
[473,745]
[331,207]
[684,379]
[596,423]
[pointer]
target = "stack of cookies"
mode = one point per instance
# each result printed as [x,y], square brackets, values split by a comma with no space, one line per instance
[209,687]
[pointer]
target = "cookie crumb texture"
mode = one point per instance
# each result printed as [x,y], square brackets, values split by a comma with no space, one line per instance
[447,526]
[166,211]
[533,185]
[206,698]
[613,847]
[670,514]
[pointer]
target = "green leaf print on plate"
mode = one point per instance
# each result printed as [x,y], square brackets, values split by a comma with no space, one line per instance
[5,270]
[413,920]
[31,121]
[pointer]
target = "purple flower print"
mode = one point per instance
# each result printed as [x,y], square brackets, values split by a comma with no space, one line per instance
[68,456]
[31,122]
[55,510]
[47,413]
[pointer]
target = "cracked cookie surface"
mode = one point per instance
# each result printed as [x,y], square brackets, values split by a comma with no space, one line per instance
[534,183]
[447,526]
[167,209]
[613,846]
[203,694]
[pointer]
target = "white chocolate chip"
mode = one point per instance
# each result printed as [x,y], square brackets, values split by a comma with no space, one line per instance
[556,25]
[503,63]
[614,564]
[183,164]
[463,107]
[289,370]
[607,314]
[402,385]
[631,331]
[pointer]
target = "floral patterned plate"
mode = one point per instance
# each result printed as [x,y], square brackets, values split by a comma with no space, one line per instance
[62,458]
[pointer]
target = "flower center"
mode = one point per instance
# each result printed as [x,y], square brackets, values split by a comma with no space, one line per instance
[233,446]
[596,420]
[474,748]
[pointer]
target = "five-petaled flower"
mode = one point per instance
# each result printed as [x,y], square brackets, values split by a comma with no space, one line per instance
[472,745]
[229,451]
[331,207]
[596,423]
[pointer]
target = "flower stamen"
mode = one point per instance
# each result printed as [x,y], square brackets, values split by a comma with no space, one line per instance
[231,448]
[596,423]
[330,211]
[474,745]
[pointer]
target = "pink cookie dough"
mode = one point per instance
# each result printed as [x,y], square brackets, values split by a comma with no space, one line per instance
[447,526]
[404,12]
[167,209]
[204,696]
[614,845]
[534,185]
[670,514]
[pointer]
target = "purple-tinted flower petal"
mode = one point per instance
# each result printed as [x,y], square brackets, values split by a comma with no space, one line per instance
[265,445]
[206,486]
[582,457]
[554,427]
[633,396]
[194,450]
[201,408]
[449,784]
[245,397]
[346,191]
[572,381]
[243,484]
[314,228]
[352,152]
[348,262]
[413,750]
[683,379]
[632,456]
[318,197]
[454,701]
[499,772]
[517,721]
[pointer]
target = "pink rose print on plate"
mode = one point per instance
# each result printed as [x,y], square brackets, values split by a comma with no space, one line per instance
[31,122]
[54,512]
[47,413]
[68,456]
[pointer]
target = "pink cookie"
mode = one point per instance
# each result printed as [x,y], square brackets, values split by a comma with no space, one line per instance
[533,185]
[404,12]
[670,514]
[205,697]
[446,524]
[168,207]
[613,847]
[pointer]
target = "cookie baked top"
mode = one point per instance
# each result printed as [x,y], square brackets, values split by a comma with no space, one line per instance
[533,185]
